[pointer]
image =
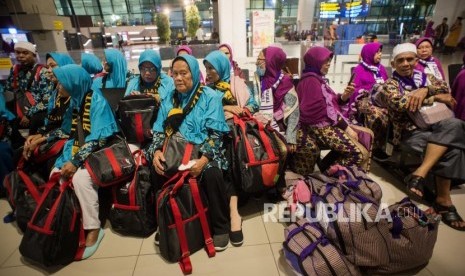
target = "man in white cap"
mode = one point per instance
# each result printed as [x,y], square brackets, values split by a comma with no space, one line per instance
[31,87]
[442,145]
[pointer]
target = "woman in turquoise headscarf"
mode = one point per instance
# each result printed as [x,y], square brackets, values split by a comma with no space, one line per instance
[237,99]
[195,112]
[57,105]
[75,81]
[116,67]
[92,64]
[6,151]
[152,80]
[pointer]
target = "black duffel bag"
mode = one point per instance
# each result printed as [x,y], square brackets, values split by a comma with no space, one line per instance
[132,212]
[178,151]
[24,191]
[183,221]
[55,235]
[112,164]
[137,113]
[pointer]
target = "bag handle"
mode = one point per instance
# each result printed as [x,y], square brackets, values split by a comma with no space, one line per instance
[184,262]
[418,215]
[30,186]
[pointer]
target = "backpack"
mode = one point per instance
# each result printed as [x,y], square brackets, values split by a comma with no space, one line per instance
[256,161]
[24,99]
[183,221]
[137,113]
[24,191]
[55,234]
[132,211]
[309,252]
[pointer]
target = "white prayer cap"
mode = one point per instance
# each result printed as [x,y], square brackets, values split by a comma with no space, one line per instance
[403,48]
[26,45]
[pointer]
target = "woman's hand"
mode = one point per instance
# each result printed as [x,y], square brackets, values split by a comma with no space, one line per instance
[158,159]
[348,92]
[352,133]
[197,169]
[416,98]
[446,99]
[135,93]
[234,109]
[68,170]
[31,138]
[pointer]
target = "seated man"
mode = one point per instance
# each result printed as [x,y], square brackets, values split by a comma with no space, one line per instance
[442,145]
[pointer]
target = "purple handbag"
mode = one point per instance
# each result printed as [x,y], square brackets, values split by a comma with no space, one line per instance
[428,115]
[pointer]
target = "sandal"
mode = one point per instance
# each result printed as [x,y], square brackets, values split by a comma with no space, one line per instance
[417,183]
[449,215]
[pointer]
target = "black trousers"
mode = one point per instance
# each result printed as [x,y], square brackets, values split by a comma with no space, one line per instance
[216,190]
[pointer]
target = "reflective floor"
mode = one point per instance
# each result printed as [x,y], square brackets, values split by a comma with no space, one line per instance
[259,255]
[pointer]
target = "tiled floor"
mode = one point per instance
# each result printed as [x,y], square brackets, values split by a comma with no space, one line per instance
[260,255]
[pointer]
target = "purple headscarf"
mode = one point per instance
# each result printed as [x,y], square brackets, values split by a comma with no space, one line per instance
[318,102]
[422,63]
[184,48]
[275,59]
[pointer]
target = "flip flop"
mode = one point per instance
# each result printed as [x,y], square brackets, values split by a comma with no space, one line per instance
[449,215]
[90,250]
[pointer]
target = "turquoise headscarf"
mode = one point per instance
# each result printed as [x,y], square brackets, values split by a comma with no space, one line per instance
[167,83]
[61,59]
[221,63]
[91,63]
[4,112]
[206,114]
[117,77]
[77,83]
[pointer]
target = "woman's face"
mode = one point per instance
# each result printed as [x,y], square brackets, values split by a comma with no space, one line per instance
[50,64]
[182,52]
[261,61]
[377,58]
[106,66]
[182,76]
[148,72]
[212,75]
[325,68]
[225,50]
[424,50]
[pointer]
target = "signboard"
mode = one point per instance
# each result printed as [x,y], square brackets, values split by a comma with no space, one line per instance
[349,9]
[262,30]
[57,25]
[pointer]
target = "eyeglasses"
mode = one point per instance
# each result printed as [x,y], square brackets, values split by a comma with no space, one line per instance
[148,69]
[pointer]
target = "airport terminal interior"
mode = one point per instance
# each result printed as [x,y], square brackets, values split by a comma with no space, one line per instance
[262,250]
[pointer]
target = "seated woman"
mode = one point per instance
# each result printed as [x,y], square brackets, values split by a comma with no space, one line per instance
[116,67]
[57,105]
[92,64]
[152,80]
[186,50]
[278,102]
[458,92]
[369,77]
[321,117]
[236,98]
[442,145]
[426,62]
[98,124]
[235,69]
[195,112]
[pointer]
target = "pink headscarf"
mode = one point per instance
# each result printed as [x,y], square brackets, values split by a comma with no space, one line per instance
[184,48]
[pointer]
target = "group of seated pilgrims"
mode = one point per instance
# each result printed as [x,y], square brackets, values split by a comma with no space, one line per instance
[310,116]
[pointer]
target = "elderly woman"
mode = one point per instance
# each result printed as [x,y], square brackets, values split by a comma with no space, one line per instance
[426,62]
[235,69]
[92,64]
[57,105]
[152,80]
[116,67]
[236,98]
[458,92]
[277,99]
[320,112]
[369,76]
[195,112]
[442,145]
[98,125]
